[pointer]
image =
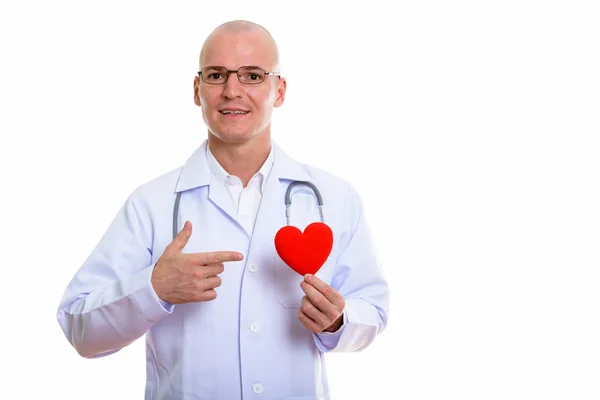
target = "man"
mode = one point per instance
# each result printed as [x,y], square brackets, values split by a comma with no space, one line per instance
[224,316]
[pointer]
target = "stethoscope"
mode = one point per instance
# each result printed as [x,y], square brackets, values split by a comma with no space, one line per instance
[304,252]
[288,203]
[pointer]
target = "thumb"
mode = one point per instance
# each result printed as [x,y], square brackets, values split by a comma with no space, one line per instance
[182,237]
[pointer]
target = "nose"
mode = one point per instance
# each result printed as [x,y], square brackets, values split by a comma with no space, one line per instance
[233,88]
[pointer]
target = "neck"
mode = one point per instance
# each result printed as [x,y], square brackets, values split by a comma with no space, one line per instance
[241,159]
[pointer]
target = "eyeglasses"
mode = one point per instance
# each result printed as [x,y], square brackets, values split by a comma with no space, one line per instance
[249,74]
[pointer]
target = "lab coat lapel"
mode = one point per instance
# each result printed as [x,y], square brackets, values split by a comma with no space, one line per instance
[219,196]
[196,172]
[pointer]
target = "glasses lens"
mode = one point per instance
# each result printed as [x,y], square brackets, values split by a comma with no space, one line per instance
[214,75]
[251,75]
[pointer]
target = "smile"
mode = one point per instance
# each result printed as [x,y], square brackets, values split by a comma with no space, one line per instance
[231,112]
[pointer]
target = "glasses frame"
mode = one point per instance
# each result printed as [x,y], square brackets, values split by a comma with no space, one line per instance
[230,71]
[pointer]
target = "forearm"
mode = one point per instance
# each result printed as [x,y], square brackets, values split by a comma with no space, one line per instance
[108,319]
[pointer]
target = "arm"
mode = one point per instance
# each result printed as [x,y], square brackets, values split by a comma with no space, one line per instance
[359,279]
[110,301]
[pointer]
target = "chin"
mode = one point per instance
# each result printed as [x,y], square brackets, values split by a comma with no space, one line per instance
[233,136]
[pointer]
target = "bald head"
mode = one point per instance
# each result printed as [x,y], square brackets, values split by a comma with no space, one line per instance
[241,28]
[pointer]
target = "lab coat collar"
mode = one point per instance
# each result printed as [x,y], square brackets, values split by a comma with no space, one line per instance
[196,171]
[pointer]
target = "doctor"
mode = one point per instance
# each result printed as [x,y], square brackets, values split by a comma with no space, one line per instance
[224,317]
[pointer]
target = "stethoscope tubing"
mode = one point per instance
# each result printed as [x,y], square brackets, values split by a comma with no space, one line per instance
[288,203]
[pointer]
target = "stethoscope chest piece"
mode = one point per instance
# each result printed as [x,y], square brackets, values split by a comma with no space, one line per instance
[304,252]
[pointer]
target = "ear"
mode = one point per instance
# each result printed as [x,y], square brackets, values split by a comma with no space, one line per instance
[196,91]
[280,95]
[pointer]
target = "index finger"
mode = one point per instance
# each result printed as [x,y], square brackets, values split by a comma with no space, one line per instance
[330,293]
[215,257]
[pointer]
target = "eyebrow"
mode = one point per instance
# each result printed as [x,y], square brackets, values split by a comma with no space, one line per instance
[245,66]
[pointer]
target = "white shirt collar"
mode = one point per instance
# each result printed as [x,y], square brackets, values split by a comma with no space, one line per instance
[224,177]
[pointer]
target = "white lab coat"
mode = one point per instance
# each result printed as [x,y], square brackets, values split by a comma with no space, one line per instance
[248,343]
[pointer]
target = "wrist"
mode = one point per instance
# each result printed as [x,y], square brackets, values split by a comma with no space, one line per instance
[336,325]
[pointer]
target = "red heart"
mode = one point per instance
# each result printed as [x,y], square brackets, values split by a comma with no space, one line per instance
[304,253]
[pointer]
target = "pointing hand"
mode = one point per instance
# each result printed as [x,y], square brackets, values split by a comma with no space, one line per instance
[180,278]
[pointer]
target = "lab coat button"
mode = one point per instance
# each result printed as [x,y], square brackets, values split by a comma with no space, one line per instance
[254,327]
[252,267]
[257,388]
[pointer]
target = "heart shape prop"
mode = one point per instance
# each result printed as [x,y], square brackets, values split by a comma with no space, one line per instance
[304,252]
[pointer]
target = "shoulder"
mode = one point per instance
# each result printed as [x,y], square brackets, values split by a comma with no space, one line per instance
[193,173]
[334,189]
[332,182]
[156,191]
[342,204]
[339,195]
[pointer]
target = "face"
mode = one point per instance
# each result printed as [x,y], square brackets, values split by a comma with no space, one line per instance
[253,104]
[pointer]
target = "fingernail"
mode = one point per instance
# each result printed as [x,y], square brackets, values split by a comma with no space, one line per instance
[307,277]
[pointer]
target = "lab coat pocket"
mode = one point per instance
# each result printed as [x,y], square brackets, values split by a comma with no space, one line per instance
[287,282]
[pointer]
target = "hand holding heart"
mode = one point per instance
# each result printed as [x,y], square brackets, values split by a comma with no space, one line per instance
[322,308]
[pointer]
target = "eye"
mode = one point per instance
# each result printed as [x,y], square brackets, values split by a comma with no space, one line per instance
[214,75]
[252,75]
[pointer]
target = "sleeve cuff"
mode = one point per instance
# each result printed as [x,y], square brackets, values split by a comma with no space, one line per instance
[327,341]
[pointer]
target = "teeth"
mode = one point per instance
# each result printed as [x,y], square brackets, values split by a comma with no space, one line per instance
[233,112]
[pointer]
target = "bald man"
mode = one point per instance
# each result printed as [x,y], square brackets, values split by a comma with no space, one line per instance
[190,260]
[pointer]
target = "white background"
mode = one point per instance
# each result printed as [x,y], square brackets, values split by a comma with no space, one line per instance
[470,129]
